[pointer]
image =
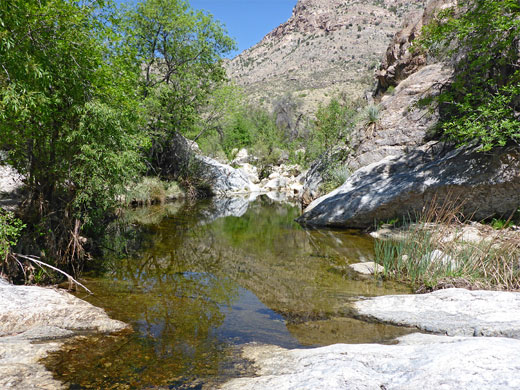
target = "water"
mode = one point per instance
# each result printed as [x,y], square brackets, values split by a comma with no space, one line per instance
[197,281]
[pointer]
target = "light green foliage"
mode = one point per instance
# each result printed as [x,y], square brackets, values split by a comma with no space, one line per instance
[179,51]
[372,114]
[334,122]
[10,228]
[67,113]
[151,190]
[482,104]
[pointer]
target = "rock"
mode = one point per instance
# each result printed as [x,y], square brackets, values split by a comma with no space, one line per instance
[242,157]
[399,62]
[29,314]
[367,268]
[439,257]
[25,307]
[224,179]
[419,361]
[276,183]
[397,187]
[10,184]
[452,311]
[403,124]
[251,171]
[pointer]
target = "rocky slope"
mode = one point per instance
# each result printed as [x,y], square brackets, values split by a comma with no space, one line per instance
[326,47]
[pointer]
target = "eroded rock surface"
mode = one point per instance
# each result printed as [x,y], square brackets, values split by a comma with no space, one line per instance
[452,311]
[35,321]
[403,124]
[488,184]
[419,361]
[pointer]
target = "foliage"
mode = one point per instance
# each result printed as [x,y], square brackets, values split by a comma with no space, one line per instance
[10,228]
[151,190]
[67,116]
[481,105]
[334,122]
[372,113]
[180,51]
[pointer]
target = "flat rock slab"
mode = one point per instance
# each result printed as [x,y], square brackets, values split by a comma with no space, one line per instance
[26,307]
[419,361]
[452,312]
[35,321]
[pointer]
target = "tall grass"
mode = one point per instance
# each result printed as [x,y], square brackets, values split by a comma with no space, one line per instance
[432,253]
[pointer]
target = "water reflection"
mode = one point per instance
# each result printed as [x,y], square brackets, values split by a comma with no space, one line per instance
[196,279]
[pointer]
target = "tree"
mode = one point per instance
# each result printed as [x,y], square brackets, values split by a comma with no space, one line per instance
[67,118]
[482,105]
[179,50]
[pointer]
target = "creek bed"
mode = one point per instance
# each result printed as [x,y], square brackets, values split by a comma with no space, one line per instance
[198,281]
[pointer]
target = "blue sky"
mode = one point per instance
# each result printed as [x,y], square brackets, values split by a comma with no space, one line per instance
[247,21]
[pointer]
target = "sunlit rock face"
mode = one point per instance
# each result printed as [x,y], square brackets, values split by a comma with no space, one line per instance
[418,362]
[487,184]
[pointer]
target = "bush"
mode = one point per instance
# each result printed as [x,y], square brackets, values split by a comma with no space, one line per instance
[481,105]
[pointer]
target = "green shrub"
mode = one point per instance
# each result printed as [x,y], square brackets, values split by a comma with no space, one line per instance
[10,228]
[481,105]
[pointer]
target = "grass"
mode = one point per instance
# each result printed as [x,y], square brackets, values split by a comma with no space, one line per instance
[151,190]
[434,253]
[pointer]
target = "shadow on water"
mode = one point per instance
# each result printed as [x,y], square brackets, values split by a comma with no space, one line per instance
[196,281]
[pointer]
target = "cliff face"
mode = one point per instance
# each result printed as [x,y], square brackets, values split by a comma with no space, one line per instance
[327,47]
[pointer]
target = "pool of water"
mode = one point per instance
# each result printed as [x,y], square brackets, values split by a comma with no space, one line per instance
[196,281]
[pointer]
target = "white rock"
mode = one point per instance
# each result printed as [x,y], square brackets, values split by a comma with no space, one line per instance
[241,157]
[439,257]
[29,313]
[452,311]
[367,268]
[419,361]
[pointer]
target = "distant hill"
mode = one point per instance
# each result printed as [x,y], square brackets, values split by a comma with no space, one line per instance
[326,47]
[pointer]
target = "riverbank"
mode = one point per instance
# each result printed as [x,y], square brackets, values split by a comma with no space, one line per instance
[35,321]
[442,361]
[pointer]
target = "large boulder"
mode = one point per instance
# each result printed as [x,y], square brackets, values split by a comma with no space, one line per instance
[223,178]
[487,185]
[454,311]
[419,361]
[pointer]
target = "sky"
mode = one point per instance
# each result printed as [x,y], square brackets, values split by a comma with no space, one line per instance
[247,21]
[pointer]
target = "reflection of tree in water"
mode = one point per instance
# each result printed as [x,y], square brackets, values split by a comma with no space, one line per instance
[179,272]
[173,304]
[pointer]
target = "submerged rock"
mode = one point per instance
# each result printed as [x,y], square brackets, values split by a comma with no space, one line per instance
[367,268]
[399,187]
[452,311]
[419,361]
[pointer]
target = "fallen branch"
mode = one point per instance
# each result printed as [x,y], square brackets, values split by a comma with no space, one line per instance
[40,263]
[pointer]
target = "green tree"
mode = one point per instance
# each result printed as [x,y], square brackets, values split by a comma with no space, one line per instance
[179,51]
[482,105]
[67,117]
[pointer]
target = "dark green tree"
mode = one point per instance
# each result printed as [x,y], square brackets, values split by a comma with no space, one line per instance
[67,118]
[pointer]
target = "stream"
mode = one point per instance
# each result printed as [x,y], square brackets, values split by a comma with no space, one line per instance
[197,281]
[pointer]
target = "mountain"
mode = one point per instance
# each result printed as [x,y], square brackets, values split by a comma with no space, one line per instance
[326,47]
